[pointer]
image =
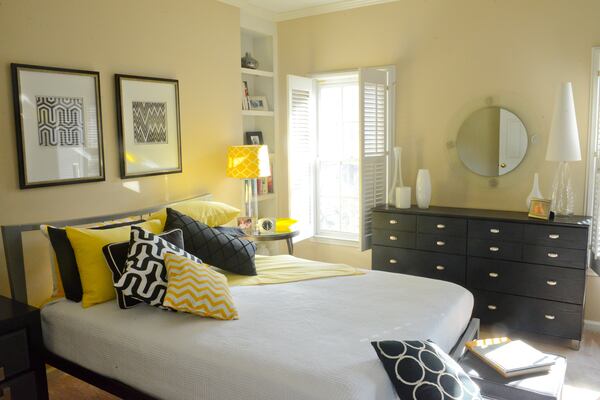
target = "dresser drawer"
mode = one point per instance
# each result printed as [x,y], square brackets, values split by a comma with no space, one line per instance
[14,355]
[570,258]
[443,225]
[550,283]
[23,387]
[446,267]
[495,230]
[394,238]
[442,243]
[396,222]
[540,316]
[556,236]
[497,249]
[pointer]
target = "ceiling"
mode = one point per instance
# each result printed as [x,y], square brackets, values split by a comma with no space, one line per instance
[280,10]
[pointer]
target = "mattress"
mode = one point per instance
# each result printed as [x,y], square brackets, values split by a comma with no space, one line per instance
[300,340]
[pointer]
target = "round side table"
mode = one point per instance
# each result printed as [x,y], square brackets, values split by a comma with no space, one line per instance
[270,237]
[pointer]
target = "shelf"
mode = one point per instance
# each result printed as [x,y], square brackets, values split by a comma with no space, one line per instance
[256,113]
[263,197]
[257,72]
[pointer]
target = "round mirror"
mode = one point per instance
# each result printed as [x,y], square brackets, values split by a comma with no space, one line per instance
[492,141]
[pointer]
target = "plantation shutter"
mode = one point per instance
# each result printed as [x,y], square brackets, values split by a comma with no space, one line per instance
[373,144]
[595,164]
[302,153]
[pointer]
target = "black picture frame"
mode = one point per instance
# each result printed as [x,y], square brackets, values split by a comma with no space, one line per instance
[24,183]
[121,131]
[248,138]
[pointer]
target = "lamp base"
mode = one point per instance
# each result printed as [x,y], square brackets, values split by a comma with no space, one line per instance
[250,198]
[563,198]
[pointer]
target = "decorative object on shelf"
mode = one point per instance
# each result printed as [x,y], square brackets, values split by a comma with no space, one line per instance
[266,225]
[540,209]
[58,124]
[249,62]
[535,190]
[396,174]
[284,224]
[403,197]
[246,224]
[563,146]
[423,189]
[254,137]
[249,163]
[148,125]
[258,103]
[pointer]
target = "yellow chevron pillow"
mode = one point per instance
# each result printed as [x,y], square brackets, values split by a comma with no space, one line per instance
[197,289]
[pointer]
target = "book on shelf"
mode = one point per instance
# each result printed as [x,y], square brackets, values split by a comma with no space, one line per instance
[511,358]
[245,102]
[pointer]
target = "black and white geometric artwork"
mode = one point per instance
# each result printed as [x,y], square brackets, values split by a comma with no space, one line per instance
[149,122]
[60,121]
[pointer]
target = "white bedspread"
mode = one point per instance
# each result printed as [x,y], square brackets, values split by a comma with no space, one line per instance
[302,340]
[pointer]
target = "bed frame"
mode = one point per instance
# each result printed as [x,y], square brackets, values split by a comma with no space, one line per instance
[13,250]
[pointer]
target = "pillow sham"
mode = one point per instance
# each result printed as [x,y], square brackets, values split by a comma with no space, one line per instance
[197,289]
[215,248]
[211,213]
[145,276]
[421,370]
[96,280]
[116,259]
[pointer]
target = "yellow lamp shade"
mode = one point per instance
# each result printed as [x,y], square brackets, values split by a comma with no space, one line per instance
[248,162]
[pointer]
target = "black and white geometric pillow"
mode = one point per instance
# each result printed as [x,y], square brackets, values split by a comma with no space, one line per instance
[145,276]
[420,370]
[116,259]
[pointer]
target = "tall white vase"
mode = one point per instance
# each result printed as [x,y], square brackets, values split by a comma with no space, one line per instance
[423,188]
[535,190]
[396,175]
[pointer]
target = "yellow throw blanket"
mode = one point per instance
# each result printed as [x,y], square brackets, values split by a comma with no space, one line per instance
[284,269]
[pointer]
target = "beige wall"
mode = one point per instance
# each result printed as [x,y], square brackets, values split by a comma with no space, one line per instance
[194,41]
[453,57]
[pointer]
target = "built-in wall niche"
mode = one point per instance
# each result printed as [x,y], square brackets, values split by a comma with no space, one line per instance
[263,124]
[260,46]
[259,86]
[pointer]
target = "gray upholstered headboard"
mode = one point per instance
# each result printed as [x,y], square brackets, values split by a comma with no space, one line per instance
[13,242]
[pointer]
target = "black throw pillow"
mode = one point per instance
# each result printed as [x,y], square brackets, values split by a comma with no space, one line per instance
[65,258]
[214,247]
[116,259]
[421,370]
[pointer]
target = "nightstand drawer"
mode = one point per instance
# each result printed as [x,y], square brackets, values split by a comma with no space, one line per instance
[495,230]
[495,249]
[570,258]
[443,225]
[14,354]
[394,238]
[22,387]
[442,243]
[396,222]
[556,236]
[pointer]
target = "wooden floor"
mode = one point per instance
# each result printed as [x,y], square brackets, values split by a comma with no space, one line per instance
[582,383]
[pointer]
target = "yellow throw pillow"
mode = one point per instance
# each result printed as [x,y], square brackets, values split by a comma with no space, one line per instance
[197,289]
[211,213]
[96,278]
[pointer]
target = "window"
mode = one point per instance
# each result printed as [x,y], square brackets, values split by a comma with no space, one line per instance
[338,144]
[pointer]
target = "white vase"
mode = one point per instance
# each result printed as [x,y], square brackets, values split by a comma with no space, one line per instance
[423,189]
[403,197]
[396,175]
[535,190]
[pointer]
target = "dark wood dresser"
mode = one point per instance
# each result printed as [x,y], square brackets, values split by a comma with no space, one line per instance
[524,273]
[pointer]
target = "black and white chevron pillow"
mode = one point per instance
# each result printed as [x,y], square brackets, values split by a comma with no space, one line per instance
[145,276]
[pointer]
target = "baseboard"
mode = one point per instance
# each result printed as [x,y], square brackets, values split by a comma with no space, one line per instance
[592,325]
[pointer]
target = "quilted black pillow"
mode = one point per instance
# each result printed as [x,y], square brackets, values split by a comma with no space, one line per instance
[214,247]
[145,276]
[116,259]
[421,370]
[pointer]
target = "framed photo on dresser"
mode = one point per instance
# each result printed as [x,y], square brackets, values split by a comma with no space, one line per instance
[148,126]
[58,123]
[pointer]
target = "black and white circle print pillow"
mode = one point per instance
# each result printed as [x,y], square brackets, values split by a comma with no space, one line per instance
[420,370]
[145,276]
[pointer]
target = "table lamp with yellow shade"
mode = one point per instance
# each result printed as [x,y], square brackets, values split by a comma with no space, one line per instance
[249,163]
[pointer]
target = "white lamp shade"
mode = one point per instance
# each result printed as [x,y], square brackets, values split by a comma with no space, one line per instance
[563,144]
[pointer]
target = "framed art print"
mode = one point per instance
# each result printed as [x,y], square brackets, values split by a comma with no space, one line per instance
[148,124]
[58,123]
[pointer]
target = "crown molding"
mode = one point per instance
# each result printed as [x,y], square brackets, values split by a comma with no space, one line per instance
[252,10]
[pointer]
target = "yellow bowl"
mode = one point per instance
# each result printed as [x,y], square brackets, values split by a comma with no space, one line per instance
[284,224]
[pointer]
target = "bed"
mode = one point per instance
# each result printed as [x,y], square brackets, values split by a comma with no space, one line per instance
[299,340]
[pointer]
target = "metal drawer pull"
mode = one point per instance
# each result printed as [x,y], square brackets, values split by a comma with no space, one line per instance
[440,243]
[551,283]
[492,307]
[440,226]
[393,222]
[550,317]
[5,395]
[553,255]
[494,248]
[494,230]
[393,261]
[392,237]
[493,274]
[2,374]
[554,236]
[440,267]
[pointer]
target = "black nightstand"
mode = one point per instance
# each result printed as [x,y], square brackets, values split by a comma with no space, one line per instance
[22,369]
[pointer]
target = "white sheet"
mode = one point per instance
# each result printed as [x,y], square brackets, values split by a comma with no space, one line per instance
[302,340]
